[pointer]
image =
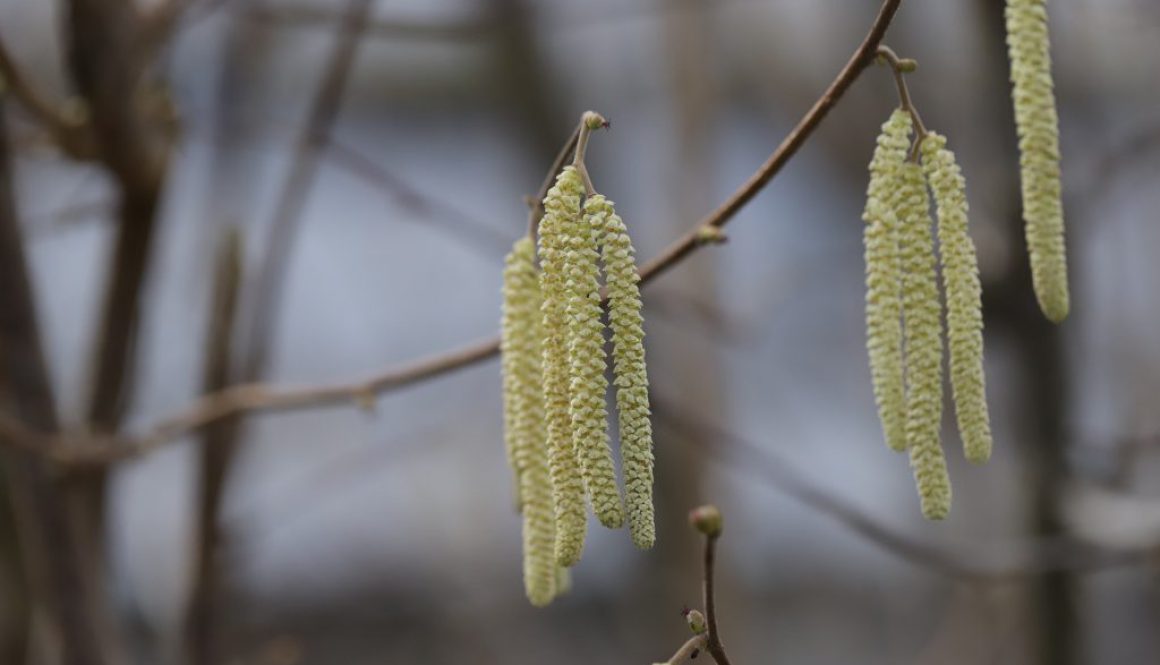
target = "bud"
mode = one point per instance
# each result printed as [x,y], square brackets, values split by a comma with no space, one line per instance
[696,621]
[707,520]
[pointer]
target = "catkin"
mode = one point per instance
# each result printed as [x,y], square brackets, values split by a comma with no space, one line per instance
[518,341]
[923,339]
[884,278]
[524,417]
[587,364]
[631,377]
[561,210]
[960,275]
[1037,124]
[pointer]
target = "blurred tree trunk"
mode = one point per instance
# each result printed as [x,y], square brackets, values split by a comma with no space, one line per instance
[685,369]
[54,564]
[1042,368]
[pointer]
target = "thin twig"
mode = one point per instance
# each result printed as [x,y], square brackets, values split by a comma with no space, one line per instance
[217,454]
[900,67]
[713,644]
[463,228]
[257,397]
[70,135]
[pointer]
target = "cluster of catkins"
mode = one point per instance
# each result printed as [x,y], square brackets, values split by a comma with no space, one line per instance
[556,425]
[1037,124]
[904,314]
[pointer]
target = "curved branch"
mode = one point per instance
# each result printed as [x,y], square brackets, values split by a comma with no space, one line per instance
[258,397]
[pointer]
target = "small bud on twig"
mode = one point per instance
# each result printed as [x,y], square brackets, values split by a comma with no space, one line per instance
[707,520]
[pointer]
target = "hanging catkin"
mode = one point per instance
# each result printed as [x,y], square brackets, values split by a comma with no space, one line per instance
[631,377]
[524,415]
[587,364]
[561,212]
[923,339]
[1037,124]
[884,278]
[960,275]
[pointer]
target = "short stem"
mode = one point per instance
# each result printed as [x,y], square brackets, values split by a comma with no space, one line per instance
[899,68]
[713,643]
[589,121]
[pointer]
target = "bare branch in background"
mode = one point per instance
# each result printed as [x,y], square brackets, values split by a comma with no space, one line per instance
[258,397]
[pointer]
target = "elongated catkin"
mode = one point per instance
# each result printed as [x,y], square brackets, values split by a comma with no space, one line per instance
[630,374]
[922,320]
[523,396]
[1037,124]
[561,212]
[884,278]
[960,275]
[587,363]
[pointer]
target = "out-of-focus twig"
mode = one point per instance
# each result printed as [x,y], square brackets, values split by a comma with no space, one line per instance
[70,133]
[219,441]
[471,231]
[271,275]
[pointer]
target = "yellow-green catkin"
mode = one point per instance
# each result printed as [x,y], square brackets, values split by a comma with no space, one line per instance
[519,350]
[631,376]
[1037,124]
[524,419]
[960,276]
[587,364]
[922,320]
[884,278]
[561,211]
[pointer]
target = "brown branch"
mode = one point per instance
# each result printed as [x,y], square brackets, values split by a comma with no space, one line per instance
[258,397]
[713,644]
[71,134]
[50,552]
[217,453]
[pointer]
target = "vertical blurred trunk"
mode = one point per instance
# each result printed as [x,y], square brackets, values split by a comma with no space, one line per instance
[519,67]
[230,195]
[15,606]
[108,60]
[1043,376]
[54,564]
[688,367]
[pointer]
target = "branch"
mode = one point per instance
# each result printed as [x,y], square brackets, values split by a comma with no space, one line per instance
[258,397]
[707,520]
[70,132]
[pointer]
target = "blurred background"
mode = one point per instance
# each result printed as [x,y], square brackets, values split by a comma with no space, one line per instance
[375,156]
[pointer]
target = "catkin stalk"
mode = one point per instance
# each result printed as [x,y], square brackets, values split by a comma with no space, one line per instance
[631,376]
[960,275]
[587,364]
[561,210]
[1037,125]
[922,314]
[884,278]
